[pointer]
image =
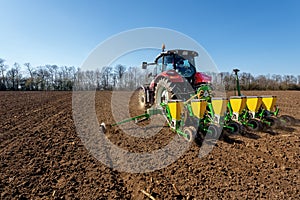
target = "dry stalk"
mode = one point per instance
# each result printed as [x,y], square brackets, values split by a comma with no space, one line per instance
[147,194]
[176,189]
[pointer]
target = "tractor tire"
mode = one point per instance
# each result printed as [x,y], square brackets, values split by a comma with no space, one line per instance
[255,125]
[163,92]
[142,99]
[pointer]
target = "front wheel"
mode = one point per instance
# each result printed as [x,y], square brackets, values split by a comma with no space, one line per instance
[142,99]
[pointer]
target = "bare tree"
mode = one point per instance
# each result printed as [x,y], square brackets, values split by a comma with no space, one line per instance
[98,79]
[55,76]
[91,79]
[228,81]
[42,78]
[106,73]
[120,70]
[18,75]
[3,68]
[51,77]
[261,81]
[11,79]
[293,79]
[30,82]
[286,80]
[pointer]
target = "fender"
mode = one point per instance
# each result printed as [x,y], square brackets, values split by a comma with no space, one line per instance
[171,75]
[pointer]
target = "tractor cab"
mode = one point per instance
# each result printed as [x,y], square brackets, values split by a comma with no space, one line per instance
[175,65]
[174,72]
[182,61]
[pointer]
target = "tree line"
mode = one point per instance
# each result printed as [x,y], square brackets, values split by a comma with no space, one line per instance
[261,82]
[66,78]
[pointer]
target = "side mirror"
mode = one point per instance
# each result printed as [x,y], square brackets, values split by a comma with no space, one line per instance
[144,65]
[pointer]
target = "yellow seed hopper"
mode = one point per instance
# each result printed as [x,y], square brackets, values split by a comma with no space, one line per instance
[268,102]
[198,107]
[238,104]
[254,103]
[219,105]
[175,107]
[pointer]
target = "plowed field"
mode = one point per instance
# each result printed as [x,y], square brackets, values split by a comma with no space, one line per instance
[42,156]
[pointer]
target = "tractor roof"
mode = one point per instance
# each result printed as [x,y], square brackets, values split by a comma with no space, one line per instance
[180,52]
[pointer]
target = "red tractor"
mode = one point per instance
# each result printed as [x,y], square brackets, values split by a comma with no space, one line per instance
[174,77]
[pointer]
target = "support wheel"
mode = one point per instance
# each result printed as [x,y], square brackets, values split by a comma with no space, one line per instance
[213,132]
[190,134]
[274,122]
[255,125]
[287,120]
[236,127]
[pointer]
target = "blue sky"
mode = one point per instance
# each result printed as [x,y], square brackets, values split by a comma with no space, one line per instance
[261,37]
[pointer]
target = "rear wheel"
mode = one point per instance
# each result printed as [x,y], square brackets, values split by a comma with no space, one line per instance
[163,92]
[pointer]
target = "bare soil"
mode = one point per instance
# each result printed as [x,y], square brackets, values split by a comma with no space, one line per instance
[42,156]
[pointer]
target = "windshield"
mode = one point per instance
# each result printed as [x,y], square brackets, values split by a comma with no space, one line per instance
[184,65]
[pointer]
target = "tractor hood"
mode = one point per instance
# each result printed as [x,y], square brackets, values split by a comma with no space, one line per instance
[202,78]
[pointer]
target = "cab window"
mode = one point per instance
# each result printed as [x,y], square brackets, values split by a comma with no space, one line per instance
[159,65]
[184,67]
[168,62]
